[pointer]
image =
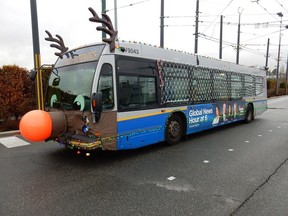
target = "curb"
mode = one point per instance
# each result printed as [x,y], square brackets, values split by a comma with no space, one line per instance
[9,133]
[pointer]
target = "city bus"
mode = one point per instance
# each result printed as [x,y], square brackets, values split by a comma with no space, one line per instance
[133,95]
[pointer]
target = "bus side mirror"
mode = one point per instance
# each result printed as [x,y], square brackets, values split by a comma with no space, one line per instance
[96,103]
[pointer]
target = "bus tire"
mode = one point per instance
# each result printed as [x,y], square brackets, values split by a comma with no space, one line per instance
[174,130]
[249,116]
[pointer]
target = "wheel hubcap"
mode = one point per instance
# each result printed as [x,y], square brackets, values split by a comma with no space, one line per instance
[174,129]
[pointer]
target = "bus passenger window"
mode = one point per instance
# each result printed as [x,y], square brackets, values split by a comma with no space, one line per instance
[259,86]
[135,92]
[249,86]
[148,94]
[105,85]
[128,92]
[236,86]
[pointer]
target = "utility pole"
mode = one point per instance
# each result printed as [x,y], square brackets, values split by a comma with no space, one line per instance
[162,24]
[280,14]
[103,11]
[37,57]
[221,37]
[267,56]
[286,92]
[115,16]
[196,27]
[238,38]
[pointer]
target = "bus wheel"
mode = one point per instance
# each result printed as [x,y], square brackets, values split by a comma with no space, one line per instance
[249,114]
[174,130]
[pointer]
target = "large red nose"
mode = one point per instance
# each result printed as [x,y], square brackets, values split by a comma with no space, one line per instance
[36,125]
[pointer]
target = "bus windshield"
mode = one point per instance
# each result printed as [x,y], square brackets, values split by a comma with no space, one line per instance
[70,82]
[70,87]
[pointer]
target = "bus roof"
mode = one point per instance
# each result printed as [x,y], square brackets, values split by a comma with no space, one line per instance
[147,51]
[143,50]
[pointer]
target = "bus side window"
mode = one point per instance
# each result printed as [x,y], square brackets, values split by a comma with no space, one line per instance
[259,86]
[137,83]
[128,92]
[136,91]
[220,85]
[249,86]
[236,86]
[124,93]
[148,91]
[105,85]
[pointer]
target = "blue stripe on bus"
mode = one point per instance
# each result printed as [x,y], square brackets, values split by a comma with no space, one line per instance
[150,129]
[139,132]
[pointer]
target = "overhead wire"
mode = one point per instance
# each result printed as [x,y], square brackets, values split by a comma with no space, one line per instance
[231,15]
[255,23]
[128,5]
[281,6]
[243,47]
[264,35]
[218,16]
[267,11]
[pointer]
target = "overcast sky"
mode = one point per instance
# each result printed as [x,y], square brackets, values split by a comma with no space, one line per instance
[139,20]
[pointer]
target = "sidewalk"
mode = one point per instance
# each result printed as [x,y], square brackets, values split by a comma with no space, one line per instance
[9,133]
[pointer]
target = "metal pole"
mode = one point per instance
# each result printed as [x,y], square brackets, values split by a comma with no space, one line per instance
[238,38]
[37,57]
[115,18]
[278,58]
[221,37]
[162,24]
[115,15]
[103,11]
[267,56]
[196,27]
[286,92]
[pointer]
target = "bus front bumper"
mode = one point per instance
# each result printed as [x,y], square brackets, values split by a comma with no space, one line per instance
[80,142]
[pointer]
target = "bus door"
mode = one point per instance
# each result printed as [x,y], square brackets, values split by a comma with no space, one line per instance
[107,125]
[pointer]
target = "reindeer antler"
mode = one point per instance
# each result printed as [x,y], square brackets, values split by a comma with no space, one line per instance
[59,44]
[108,29]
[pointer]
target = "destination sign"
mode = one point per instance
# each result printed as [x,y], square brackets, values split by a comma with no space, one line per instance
[81,55]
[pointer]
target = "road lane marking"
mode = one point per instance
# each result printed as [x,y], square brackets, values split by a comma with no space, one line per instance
[231,150]
[171,178]
[206,161]
[259,135]
[247,141]
[175,187]
[12,142]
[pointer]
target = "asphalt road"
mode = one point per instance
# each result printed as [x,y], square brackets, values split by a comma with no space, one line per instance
[240,169]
